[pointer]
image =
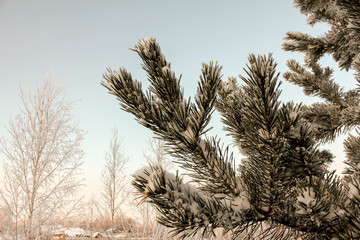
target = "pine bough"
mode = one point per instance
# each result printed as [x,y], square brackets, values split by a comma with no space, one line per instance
[283,188]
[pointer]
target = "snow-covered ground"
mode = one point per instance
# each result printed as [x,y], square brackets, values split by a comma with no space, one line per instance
[75,233]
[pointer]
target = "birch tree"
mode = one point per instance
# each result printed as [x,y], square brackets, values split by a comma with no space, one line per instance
[113,179]
[42,159]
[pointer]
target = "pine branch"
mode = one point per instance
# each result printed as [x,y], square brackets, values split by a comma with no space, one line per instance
[132,99]
[318,11]
[164,84]
[318,210]
[303,157]
[352,150]
[340,112]
[211,166]
[179,122]
[184,208]
[259,134]
[228,104]
[341,41]
[279,144]
[205,98]
[350,226]
[317,83]
[314,48]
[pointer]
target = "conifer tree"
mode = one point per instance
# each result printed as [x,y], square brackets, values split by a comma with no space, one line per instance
[283,188]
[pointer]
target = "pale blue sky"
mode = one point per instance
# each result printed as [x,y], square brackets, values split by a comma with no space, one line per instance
[78,40]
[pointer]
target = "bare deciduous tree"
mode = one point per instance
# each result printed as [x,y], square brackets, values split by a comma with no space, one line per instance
[42,159]
[113,179]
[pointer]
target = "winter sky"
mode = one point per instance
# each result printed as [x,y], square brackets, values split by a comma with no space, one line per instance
[78,40]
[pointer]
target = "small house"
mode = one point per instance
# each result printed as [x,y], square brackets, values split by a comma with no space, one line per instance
[97,235]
